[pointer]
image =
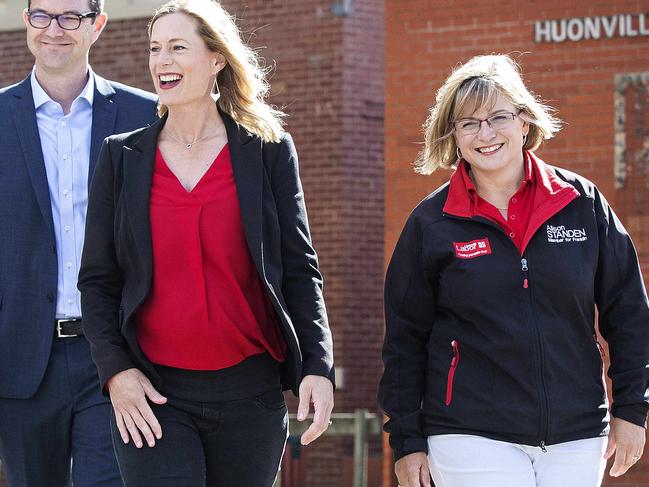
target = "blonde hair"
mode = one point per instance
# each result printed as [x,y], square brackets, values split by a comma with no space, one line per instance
[242,82]
[471,87]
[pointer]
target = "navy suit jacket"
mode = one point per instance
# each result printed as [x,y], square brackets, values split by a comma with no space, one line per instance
[28,267]
[116,268]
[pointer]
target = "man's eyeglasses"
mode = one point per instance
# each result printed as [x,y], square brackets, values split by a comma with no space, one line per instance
[69,21]
[471,126]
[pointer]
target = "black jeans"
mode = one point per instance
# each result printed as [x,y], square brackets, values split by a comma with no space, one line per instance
[235,443]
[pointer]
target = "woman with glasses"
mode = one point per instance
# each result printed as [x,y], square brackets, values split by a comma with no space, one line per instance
[493,372]
[200,288]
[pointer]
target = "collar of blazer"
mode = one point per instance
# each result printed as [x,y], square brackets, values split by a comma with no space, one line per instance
[247,167]
[104,117]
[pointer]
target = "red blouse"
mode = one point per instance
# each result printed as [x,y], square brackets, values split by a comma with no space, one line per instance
[207,308]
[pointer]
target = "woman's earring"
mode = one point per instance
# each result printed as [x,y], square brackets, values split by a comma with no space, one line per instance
[458,153]
[216,93]
[524,139]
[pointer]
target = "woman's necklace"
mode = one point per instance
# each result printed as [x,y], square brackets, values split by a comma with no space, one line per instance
[189,145]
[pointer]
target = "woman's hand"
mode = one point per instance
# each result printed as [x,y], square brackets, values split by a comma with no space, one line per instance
[412,470]
[319,391]
[129,391]
[626,440]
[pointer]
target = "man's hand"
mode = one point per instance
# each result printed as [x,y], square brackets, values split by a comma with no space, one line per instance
[626,440]
[319,391]
[128,391]
[412,470]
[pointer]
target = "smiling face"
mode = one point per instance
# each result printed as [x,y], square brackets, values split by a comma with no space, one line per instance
[57,50]
[494,149]
[182,67]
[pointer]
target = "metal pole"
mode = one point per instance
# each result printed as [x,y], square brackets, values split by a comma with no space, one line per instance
[360,448]
[388,462]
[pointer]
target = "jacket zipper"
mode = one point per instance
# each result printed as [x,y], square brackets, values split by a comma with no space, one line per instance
[524,268]
[545,412]
[451,372]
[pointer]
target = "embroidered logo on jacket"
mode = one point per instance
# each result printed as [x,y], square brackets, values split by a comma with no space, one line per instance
[561,234]
[472,249]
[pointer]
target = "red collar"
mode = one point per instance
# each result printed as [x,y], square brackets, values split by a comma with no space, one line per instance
[462,193]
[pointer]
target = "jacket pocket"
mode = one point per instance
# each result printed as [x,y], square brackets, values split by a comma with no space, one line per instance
[272,400]
[451,371]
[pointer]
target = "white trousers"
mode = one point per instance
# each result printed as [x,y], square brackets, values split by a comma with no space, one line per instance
[474,461]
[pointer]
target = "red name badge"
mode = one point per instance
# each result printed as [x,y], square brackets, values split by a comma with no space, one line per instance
[472,249]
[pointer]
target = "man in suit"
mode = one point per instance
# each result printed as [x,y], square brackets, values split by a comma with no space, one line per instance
[52,412]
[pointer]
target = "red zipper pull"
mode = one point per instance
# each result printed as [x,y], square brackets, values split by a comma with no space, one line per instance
[451,372]
[456,353]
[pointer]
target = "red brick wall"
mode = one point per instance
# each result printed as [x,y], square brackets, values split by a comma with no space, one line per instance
[328,76]
[425,39]
[120,54]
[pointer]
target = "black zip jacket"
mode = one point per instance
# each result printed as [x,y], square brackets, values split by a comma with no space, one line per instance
[485,341]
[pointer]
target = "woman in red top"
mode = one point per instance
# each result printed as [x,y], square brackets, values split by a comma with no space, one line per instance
[200,288]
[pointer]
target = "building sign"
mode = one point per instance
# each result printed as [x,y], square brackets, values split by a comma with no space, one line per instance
[578,29]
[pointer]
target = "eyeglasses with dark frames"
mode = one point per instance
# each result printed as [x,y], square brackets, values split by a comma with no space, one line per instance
[67,21]
[497,121]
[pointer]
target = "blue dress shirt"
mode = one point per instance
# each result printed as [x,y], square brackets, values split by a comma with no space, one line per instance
[65,141]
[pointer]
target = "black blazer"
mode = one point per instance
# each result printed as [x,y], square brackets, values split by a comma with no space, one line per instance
[116,267]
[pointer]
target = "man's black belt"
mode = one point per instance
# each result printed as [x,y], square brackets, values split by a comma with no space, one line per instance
[68,328]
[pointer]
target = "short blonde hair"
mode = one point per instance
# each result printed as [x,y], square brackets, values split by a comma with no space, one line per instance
[242,82]
[471,87]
